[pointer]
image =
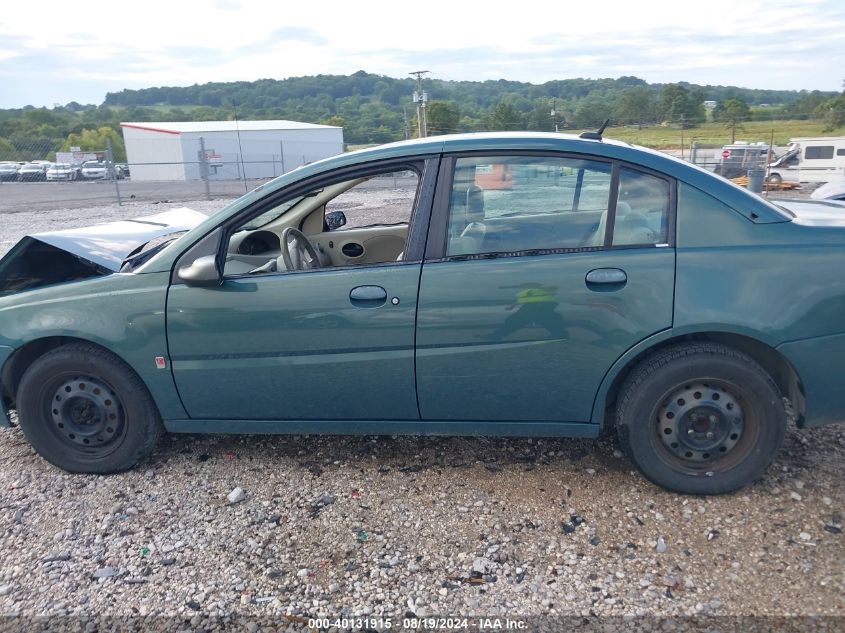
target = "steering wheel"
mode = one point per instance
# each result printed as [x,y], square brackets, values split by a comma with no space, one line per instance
[297,252]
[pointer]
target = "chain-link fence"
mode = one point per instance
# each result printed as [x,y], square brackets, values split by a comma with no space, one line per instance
[50,179]
[203,171]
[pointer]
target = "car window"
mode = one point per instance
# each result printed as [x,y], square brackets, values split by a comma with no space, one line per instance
[517,203]
[271,215]
[642,209]
[360,221]
[378,200]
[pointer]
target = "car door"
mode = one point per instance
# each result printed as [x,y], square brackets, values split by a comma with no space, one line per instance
[333,343]
[535,282]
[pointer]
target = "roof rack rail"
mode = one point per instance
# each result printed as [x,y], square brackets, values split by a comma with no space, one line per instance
[595,136]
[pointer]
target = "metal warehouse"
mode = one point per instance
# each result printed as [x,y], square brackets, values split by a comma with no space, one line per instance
[225,150]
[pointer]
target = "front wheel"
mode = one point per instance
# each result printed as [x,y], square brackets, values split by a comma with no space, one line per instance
[700,418]
[85,410]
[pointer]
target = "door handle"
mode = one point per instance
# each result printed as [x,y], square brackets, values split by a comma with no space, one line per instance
[368,296]
[604,279]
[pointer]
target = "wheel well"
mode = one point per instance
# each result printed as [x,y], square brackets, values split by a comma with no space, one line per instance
[23,357]
[781,371]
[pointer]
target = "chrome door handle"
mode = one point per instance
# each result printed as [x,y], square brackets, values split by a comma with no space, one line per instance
[367,296]
[606,277]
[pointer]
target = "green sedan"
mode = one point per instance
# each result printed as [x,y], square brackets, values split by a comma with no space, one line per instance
[491,284]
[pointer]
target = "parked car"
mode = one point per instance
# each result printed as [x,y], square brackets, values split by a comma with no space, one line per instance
[121,170]
[386,291]
[33,171]
[63,171]
[94,170]
[9,171]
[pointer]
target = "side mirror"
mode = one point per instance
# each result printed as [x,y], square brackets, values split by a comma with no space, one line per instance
[201,272]
[335,220]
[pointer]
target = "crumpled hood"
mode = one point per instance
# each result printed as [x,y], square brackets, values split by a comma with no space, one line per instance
[107,245]
[42,259]
[815,212]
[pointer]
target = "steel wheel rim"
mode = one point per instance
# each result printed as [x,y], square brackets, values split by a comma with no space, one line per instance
[704,426]
[86,413]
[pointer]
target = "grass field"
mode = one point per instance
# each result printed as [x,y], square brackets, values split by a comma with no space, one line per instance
[672,137]
[669,137]
[718,134]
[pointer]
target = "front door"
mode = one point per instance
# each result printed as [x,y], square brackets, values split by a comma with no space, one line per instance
[543,279]
[332,343]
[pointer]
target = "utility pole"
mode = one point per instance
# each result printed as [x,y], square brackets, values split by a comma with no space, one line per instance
[407,127]
[553,114]
[420,98]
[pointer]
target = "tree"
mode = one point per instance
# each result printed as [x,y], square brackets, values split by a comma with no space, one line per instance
[635,105]
[8,151]
[592,111]
[335,120]
[732,112]
[95,140]
[503,116]
[442,117]
[540,118]
[678,104]
[833,112]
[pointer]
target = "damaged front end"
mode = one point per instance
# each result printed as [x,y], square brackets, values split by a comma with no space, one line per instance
[33,263]
[44,259]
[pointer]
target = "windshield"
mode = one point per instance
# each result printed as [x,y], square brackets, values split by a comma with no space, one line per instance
[272,214]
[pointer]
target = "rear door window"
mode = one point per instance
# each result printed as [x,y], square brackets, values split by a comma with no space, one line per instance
[517,203]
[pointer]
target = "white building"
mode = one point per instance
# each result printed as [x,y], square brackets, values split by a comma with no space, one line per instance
[232,149]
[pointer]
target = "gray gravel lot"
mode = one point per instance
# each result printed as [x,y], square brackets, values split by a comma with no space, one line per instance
[387,526]
[48,196]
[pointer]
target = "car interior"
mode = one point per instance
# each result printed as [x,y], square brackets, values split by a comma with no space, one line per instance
[538,211]
[532,206]
[322,229]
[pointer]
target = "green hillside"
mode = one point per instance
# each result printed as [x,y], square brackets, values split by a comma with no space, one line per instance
[376,109]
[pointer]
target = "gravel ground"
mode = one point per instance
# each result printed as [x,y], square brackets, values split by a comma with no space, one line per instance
[382,526]
[392,526]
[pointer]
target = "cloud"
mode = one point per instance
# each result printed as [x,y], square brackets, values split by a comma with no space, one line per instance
[67,55]
[296,33]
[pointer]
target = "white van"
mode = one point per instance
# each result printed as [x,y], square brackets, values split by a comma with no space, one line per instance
[817,159]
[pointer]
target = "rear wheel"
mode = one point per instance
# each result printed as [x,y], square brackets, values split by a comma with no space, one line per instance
[85,411]
[774,179]
[700,418]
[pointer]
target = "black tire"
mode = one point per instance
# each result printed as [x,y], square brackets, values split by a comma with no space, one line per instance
[700,418]
[86,411]
[774,179]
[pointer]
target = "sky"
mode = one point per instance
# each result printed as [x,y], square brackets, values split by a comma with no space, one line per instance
[54,52]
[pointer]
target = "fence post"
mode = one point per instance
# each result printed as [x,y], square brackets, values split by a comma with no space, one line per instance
[282,156]
[203,166]
[111,169]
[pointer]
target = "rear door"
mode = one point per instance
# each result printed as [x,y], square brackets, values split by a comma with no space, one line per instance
[532,287]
